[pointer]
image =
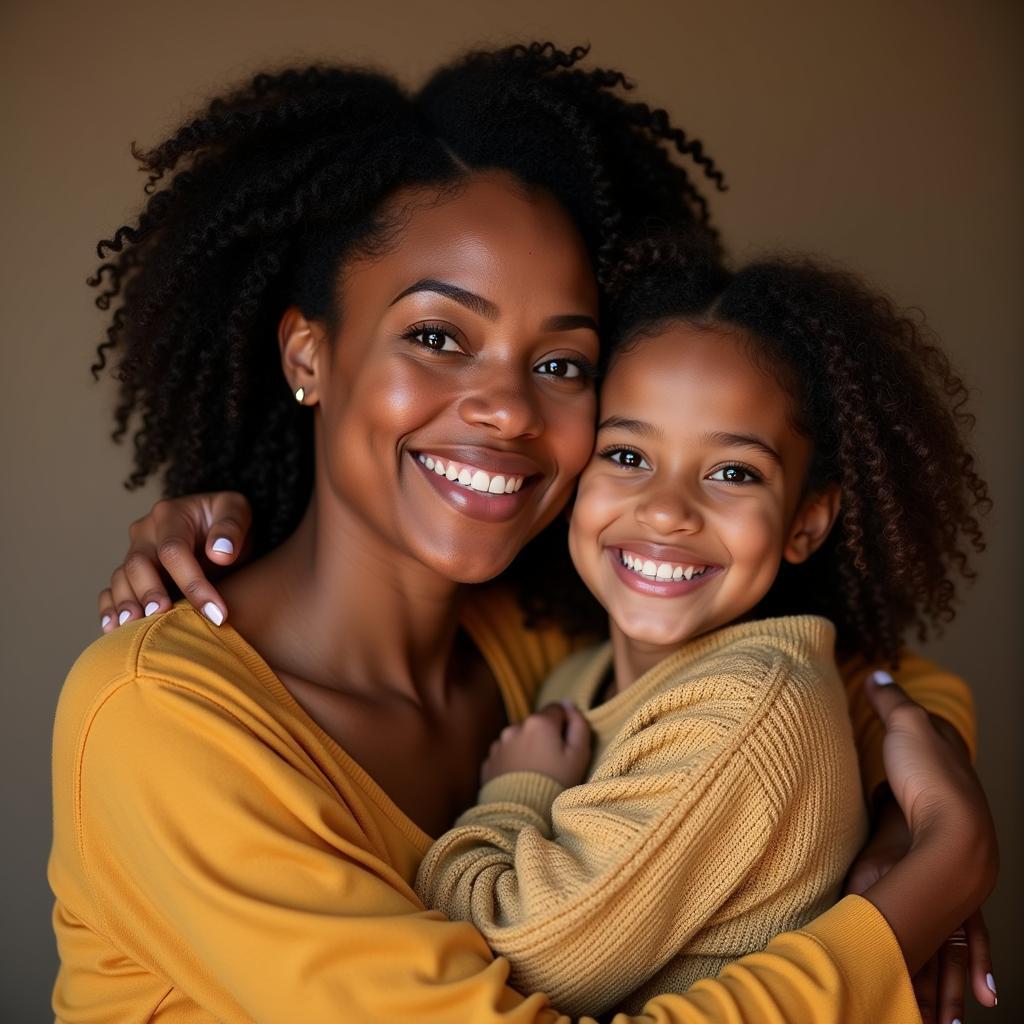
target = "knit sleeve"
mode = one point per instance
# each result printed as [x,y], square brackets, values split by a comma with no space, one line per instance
[637,859]
[941,693]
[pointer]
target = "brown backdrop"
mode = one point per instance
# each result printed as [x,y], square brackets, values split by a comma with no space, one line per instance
[887,135]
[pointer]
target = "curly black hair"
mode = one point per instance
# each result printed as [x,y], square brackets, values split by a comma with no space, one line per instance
[256,202]
[884,409]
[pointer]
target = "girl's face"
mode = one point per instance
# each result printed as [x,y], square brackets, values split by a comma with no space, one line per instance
[455,403]
[694,493]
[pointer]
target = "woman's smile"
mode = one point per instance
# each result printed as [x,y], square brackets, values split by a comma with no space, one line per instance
[455,400]
[483,484]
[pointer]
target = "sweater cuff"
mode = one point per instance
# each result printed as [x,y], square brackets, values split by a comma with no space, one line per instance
[531,789]
[863,947]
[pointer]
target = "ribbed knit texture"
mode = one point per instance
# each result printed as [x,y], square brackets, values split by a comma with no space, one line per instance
[723,806]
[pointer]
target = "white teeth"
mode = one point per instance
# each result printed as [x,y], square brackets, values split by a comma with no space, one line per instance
[660,570]
[469,476]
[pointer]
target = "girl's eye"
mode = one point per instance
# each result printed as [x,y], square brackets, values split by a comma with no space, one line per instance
[567,369]
[626,457]
[433,336]
[733,474]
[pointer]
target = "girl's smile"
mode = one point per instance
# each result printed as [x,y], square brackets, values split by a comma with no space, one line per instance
[696,490]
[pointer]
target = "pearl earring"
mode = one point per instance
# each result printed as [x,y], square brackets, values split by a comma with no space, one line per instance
[300,394]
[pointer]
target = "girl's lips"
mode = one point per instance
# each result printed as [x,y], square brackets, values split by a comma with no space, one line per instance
[652,585]
[477,504]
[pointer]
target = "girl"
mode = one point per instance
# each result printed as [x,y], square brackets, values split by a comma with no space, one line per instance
[335,279]
[739,421]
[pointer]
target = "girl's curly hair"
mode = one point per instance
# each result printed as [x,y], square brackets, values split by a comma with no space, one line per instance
[256,202]
[886,414]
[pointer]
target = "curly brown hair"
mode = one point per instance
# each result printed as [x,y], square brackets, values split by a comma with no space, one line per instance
[886,414]
[254,204]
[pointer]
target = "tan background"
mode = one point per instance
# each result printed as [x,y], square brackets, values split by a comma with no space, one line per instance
[887,134]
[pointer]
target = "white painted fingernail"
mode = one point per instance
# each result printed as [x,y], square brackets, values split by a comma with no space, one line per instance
[223,546]
[213,613]
[881,678]
[991,982]
[956,1020]
[153,606]
[124,617]
[104,622]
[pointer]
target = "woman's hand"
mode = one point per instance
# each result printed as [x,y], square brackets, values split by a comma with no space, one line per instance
[163,546]
[941,983]
[944,842]
[554,742]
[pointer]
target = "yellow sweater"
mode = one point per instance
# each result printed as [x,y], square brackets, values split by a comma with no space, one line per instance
[217,857]
[723,806]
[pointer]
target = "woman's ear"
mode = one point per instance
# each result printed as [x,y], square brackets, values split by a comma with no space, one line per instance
[812,524]
[300,341]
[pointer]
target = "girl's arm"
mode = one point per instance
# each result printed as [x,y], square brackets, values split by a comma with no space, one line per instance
[590,897]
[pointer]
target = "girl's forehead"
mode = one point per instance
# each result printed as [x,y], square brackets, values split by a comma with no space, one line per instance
[690,377]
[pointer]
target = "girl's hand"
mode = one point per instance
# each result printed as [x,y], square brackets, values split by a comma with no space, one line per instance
[952,851]
[164,545]
[554,742]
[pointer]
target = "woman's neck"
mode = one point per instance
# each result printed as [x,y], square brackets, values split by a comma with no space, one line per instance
[338,606]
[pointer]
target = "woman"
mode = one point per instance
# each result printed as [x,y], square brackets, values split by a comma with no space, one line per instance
[238,821]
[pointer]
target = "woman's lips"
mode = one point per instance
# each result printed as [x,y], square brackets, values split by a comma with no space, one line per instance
[487,496]
[663,577]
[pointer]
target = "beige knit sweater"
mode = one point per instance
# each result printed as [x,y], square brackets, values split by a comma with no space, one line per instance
[723,806]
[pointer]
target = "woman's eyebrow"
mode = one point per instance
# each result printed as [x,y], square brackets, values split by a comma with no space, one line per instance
[473,302]
[570,322]
[744,441]
[639,427]
[487,309]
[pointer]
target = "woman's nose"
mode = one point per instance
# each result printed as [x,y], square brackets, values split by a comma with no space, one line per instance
[669,509]
[510,409]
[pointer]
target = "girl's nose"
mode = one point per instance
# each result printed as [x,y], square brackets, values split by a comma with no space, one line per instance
[506,408]
[668,510]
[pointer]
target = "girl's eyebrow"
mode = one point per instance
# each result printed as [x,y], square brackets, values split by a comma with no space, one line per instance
[744,441]
[639,427]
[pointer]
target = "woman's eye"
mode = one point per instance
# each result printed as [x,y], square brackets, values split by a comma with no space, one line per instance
[735,475]
[436,338]
[567,369]
[626,457]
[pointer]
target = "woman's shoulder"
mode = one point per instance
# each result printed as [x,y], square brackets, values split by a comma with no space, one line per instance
[177,653]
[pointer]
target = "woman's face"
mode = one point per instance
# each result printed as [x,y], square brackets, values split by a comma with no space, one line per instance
[456,401]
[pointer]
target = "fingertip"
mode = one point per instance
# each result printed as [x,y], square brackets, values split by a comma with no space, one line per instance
[222,550]
[213,613]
